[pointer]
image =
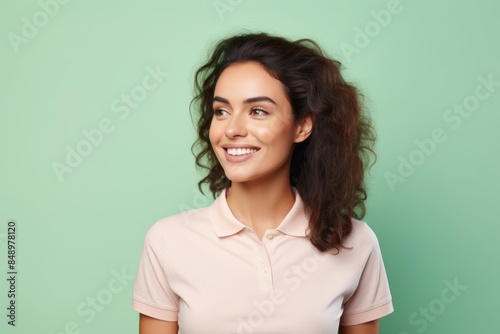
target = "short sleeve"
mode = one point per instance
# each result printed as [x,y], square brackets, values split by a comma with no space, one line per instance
[372,298]
[152,295]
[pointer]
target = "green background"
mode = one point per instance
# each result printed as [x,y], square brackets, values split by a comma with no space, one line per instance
[436,224]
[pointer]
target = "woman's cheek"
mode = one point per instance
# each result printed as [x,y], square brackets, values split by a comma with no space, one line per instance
[270,131]
[264,135]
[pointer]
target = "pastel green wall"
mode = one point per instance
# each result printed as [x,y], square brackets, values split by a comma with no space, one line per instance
[437,222]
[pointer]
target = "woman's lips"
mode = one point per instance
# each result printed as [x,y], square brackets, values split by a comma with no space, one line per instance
[244,154]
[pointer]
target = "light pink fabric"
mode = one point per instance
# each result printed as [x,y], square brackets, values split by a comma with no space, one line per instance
[211,273]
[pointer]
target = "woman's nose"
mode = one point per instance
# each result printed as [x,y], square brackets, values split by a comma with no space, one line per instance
[237,125]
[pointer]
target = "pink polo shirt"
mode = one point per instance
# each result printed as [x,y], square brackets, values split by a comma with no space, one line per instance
[212,274]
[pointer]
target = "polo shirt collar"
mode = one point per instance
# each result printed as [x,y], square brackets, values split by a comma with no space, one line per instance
[225,223]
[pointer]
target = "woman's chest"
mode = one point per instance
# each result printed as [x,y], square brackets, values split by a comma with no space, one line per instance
[262,292]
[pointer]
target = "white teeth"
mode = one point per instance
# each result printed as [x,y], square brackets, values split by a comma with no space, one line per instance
[240,151]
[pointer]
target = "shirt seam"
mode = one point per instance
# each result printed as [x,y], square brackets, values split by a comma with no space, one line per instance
[370,309]
[152,305]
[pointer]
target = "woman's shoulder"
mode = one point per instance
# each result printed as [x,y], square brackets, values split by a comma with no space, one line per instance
[361,236]
[174,224]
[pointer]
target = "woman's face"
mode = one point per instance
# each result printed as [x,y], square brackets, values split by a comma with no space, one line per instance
[252,131]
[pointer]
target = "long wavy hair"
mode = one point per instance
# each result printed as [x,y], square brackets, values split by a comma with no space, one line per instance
[328,167]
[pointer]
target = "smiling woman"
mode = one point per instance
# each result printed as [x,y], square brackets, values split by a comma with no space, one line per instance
[250,127]
[282,249]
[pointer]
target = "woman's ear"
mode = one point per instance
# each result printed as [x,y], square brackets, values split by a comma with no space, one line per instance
[304,128]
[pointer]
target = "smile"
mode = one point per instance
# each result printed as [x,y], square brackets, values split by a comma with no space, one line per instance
[240,151]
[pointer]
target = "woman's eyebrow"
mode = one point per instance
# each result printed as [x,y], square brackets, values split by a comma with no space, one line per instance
[249,100]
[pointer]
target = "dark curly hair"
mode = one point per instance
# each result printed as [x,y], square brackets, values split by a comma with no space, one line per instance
[328,167]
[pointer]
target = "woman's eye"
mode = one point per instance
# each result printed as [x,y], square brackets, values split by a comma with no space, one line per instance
[259,111]
[220,112]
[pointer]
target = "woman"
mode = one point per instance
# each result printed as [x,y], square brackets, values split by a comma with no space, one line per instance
[281,250]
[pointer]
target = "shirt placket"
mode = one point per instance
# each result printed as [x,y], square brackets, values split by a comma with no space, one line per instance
[264,264]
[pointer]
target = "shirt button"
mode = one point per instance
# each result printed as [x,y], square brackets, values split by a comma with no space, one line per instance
[266,270]
[269,236]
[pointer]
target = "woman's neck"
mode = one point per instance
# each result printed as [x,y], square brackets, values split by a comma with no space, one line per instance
[260,205]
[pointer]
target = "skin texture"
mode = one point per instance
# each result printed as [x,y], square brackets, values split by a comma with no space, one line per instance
[260,195]
[148,325]
[366,328]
